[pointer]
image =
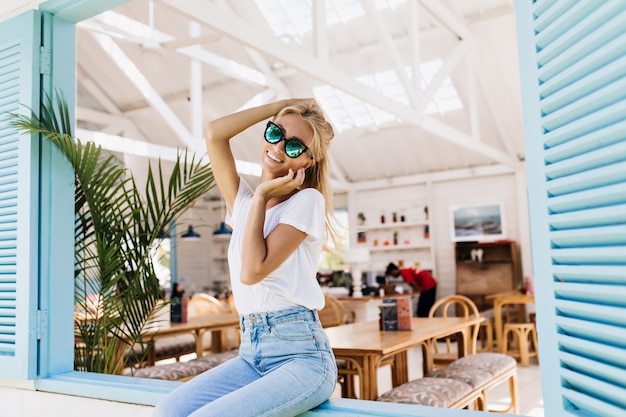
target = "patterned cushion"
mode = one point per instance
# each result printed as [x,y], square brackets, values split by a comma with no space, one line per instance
[495,363]
[434,392]
[181,370]
[471,375]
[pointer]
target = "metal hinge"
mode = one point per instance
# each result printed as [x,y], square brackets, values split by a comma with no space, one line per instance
[42,324]
[45,64]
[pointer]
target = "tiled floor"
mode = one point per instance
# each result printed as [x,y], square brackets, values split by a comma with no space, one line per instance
[529,385]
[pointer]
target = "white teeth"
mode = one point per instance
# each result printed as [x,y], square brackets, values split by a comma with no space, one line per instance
[272,157]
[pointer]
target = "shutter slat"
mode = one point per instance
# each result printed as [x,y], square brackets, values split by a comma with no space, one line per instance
[19,84]
[587,179]
[612,393]
[588,95]
[608,116]
[596,274]
[607,373]
[590,237]
[607,155]
[590,256]
[602,216]
[585,107]
[562,58]
[593,293]
[602,313]
[572,60]
[589,142]
[591,341]
[590,404]
[613,396]
[600,197]
[550,14]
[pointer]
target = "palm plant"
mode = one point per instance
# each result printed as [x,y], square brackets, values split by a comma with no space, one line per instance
[116,288]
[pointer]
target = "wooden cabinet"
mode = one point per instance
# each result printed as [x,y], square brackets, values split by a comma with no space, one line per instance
[486,268]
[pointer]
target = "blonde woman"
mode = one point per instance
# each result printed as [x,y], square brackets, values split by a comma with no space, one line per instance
[285,364]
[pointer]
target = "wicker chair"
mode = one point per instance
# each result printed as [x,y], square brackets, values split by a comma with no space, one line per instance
[464,307]
[204,304]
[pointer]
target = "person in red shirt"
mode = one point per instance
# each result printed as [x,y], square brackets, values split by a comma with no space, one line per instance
[420,280]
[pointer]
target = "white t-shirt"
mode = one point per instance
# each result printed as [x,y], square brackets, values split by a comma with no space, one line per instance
[294,282]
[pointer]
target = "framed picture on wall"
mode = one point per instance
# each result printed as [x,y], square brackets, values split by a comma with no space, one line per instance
[477,223]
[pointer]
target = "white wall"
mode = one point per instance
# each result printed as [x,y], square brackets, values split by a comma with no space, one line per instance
[28,403]
[439,195]
[480,190]
[196,259]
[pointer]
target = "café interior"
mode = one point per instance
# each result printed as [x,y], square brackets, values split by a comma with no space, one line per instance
[428,170]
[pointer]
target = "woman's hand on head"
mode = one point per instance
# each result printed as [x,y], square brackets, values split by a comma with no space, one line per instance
[302,101]
[282,186]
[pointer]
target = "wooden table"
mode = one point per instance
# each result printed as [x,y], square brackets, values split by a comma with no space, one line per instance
[197,326]
[501,299]
[364,345]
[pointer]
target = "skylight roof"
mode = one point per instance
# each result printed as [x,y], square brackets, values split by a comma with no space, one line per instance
[346,111]
[292,18]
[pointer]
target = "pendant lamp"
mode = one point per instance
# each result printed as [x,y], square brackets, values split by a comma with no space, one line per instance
[223,230]
[190,234]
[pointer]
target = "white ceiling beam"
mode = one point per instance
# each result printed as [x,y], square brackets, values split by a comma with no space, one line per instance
[262,64]
[99,117]
[473,98]
[145,88]
[438,176]
[483,87]
[461,139]
[227,67]
[451,62]
[244,32]
[195,93]
[414,37]
[391,49]
[192,40]
[320,30]
[447,18]
[96,91]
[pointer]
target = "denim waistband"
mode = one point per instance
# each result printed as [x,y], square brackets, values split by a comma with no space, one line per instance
[278,316]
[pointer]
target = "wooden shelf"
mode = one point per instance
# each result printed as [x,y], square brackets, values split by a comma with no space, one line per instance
[382,248]
[396,225]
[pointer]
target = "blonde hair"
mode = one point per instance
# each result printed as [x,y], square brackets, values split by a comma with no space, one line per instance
[317,175]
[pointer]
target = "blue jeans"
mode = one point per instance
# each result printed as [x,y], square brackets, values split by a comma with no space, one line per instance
[285,367]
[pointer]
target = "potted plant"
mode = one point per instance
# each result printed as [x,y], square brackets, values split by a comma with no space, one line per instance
[116,225]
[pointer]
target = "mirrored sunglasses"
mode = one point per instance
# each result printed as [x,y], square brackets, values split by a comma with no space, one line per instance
[293,147]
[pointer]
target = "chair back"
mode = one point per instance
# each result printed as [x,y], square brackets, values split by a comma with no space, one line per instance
[334,312]
[463,307]
[204,304]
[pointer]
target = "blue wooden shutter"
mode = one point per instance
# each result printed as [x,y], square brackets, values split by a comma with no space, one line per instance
[573,75]
[19,83]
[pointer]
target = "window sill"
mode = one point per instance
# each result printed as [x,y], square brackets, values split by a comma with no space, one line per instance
[107,387]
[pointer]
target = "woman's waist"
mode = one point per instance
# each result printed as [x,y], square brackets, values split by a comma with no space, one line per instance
[296,313]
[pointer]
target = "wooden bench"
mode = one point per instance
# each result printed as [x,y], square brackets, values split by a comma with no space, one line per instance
[463,383]
[183,371]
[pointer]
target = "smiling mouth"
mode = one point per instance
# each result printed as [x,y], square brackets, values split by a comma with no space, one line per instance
[273,157]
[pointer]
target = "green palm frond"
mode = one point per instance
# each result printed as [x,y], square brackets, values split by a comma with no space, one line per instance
[115,228]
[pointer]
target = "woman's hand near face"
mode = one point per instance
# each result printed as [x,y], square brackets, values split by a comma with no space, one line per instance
[281,186]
